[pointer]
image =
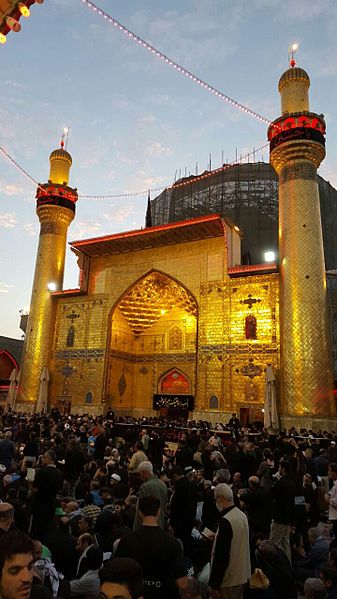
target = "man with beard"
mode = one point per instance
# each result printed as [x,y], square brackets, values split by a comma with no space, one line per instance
[16,568]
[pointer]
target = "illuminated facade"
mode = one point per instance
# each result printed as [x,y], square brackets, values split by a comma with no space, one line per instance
[167,317]
[166,311]
[55,209]
[297,147]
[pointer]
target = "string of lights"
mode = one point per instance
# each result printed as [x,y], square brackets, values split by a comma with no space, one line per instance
[174,64]
[19,168]
[132,194]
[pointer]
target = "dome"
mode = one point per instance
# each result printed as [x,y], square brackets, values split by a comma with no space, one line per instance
[293,74]
[61,154]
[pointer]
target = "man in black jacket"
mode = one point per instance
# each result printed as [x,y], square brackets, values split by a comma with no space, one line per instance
[183,507]
[158,553]
[283,495]
[47,483]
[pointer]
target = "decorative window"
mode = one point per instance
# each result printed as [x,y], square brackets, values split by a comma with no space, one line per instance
[71,336]
[175,338]
[175,382]
[250,327]
[213,402]
[89,398]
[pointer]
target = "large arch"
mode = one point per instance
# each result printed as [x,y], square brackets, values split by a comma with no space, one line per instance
[152,329]
[7,365]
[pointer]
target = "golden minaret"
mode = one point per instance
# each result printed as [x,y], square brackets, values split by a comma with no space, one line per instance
[297,147]
[55,208]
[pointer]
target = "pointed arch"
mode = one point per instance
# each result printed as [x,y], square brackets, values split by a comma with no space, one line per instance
[7,365]
[174,381]
[186,301]
[145,276]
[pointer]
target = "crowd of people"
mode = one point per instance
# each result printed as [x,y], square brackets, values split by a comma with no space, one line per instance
[124,508]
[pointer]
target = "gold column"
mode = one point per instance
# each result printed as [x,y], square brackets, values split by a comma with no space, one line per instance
[55,210]
[297,147]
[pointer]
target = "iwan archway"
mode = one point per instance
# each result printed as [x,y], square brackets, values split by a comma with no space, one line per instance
[153,331]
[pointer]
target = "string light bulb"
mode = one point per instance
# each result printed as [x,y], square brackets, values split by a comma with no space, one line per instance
[174,64]
[3,38]
[24,10]
[121,196]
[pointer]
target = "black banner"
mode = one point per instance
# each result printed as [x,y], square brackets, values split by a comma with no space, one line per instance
[173,401]
[298,133]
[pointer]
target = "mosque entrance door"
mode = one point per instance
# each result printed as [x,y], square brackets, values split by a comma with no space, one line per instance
[64,406]
[153,333]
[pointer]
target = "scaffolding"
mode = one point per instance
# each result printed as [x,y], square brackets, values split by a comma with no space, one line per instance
[247,194]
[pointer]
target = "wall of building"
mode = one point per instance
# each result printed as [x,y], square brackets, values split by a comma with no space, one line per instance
[106,359]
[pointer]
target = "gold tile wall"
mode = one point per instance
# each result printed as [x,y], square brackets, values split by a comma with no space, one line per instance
[124,369]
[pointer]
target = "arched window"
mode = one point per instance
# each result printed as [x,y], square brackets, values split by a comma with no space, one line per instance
[174,382]
[250,327]
[175,338]
[89,398]
[71,336]
[213,402]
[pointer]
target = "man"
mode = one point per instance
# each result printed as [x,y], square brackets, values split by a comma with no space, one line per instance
[151,486]
[157,552]
[314,589]
[121,578]
[6,517]
[145,439]
[183,507]
[118,488]
[230,561]
[331,497]
[48,481]
[84,542]
[234,423]
[258,506]
[283,510]
[73,467]
[88,585]
[63,548]
[16,566]
[316,557]
[137,458]
[321,465]
[7,449]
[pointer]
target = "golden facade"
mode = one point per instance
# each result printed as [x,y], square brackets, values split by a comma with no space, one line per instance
[55,210]
[151,311]
[170,310]
[297,149]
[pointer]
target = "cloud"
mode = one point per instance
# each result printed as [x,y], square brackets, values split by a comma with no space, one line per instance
[7,220]
[11,190]
[30,228]
[157,149]
[84,229]
[119,215]
[4,288]
[301,9]
[148,119]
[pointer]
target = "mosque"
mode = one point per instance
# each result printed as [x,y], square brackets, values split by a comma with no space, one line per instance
[168,319]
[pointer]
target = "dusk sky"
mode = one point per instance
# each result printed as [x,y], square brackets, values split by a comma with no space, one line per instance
[134,121]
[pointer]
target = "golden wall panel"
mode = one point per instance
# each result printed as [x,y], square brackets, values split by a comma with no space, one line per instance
[305,348]
[124,368]
[49,268]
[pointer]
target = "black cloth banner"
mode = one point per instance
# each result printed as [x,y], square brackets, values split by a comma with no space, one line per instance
[173,401]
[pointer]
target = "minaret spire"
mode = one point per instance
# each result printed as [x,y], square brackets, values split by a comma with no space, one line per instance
[55,208]
[297,147]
